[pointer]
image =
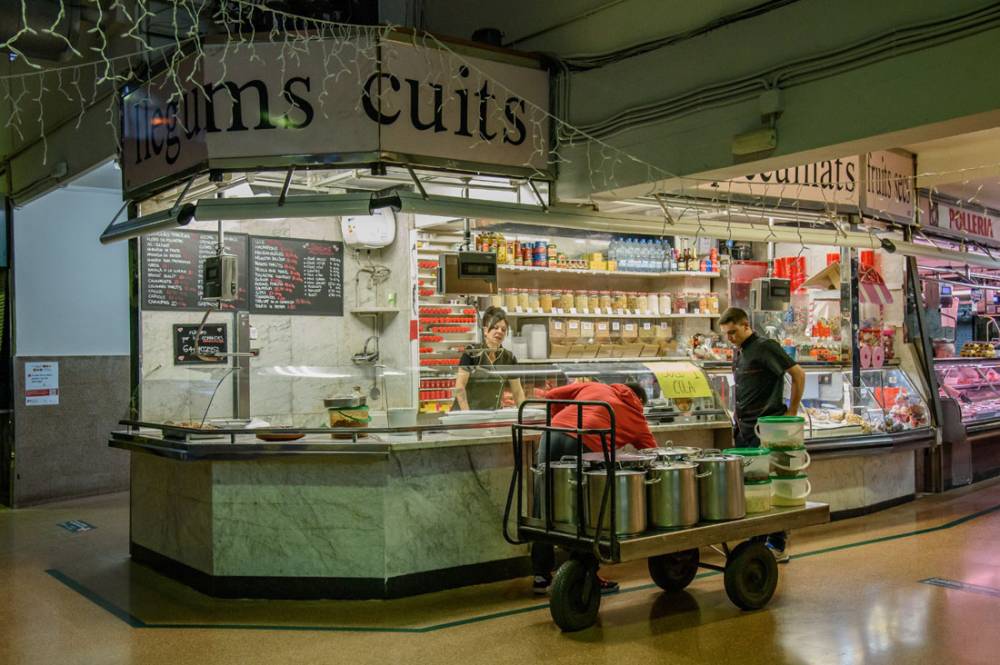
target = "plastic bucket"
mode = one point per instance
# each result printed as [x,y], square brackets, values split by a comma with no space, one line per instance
[790,490]
[756,464]
[790,461]
[781,431]
[758,495]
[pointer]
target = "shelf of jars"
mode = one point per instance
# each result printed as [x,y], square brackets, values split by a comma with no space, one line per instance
[604,273]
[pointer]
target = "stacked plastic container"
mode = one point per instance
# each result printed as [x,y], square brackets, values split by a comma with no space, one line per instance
[785,436]
[756,477]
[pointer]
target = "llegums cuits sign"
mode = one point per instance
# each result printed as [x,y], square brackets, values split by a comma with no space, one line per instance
[255,109]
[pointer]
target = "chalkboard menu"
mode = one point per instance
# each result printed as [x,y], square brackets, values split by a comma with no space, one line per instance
[173,264]
[213,342]
[294,276]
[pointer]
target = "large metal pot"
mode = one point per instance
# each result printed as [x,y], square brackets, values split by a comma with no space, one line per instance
[564,491]
[672,494]
[630,501]
[624,460]
[720,489]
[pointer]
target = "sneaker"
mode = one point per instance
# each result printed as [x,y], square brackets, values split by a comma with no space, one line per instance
[607,586]
[540,586]
[781,554]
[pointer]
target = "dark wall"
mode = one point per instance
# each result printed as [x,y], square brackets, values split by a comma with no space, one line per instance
[62,450]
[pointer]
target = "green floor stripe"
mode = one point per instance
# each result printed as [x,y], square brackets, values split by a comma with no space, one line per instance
[135,622]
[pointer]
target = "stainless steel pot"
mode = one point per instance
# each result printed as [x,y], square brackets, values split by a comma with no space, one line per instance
[625,460]
[720,489]
[564,490]
[630,501]
[672,494]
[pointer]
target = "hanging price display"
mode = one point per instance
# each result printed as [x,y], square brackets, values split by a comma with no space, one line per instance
[680,380]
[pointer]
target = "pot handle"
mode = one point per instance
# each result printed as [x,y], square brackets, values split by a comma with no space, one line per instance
[703,475]
[653,481]
[747,461]
[572,481]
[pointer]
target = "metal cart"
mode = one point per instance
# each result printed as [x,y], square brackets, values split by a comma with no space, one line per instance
[750,571]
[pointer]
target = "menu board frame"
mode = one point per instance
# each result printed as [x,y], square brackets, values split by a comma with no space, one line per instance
[339,248]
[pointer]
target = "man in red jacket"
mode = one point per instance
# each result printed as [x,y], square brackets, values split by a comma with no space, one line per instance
[626,401]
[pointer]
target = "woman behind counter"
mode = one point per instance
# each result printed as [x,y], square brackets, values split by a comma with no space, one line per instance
[478,386]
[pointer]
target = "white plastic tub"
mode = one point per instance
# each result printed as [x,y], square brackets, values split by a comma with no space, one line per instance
[790,461]
[756,462]
[790,490]
[781,431]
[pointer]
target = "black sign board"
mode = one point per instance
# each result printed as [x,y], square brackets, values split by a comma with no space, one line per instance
[173,264]
[213,341]
[295,276]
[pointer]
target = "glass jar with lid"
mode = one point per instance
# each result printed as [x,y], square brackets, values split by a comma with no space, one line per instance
[633,301]
[510,299]
[534,301]
[497,299]
[566,301]
[664,303]
[703,303]
[620,300]
[522,298]
[545,301]
[594,301]
[642,302]
[606,301]
[581,301]
[652,304]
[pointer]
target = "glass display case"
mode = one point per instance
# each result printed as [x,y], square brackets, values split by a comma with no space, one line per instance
[886,402]
[974,383]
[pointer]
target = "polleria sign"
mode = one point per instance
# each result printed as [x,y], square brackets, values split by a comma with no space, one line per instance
[412,104]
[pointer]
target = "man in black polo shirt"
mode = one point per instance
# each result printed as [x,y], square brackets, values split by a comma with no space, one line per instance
[759,367]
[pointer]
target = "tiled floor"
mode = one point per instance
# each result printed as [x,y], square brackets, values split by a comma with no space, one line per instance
[852,595]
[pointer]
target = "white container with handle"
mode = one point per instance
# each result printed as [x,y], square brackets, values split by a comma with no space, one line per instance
[790,490]
[790,461]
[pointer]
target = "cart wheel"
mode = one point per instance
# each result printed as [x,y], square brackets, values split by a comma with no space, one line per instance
[751,575]
[673,572]
[576,596]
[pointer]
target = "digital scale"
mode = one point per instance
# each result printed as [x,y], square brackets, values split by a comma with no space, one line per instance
[467,273]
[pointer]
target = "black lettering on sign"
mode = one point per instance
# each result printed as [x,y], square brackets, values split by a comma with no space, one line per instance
[296,276]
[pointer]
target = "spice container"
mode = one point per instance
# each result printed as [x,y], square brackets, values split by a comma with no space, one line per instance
[581,301]
[652,304]
[497,299]
[621,300]
[633,301]
[642,302]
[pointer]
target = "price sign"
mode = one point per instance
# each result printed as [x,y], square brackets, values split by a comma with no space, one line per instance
[680,380]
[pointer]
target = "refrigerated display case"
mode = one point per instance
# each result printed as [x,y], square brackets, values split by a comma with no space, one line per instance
[886,409]
[974,383]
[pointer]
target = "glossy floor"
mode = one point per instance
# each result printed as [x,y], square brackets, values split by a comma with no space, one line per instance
[916,584]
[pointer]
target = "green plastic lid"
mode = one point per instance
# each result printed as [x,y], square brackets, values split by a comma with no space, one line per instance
[757,482]
[749,452]
[789,449]
[797,476]
[781,419]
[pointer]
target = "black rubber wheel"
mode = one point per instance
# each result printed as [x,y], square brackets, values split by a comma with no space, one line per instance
[673,572]
[576,596]
[751,575]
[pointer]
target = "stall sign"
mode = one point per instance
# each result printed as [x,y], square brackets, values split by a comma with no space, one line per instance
[210,350]
[680,380]
[968,222]
[415,103]
[878,183]
[41,384]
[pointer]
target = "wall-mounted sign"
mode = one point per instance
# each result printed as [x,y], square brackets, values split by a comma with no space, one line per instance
[974,224]
[878,184]
[209,350]
[41,384]
[415,104]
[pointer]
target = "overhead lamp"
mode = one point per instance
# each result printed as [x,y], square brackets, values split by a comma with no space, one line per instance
[163,220]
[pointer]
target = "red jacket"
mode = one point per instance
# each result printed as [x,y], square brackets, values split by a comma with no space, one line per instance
[630,423]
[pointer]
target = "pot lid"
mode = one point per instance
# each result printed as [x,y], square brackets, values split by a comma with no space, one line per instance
[797,476]
[671,466]
[618,472]
[345,401]
[781,419]
[670,451]
[749,452]
[720,458]
[619,457]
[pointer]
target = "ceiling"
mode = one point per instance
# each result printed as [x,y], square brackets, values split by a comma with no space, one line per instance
[964,167]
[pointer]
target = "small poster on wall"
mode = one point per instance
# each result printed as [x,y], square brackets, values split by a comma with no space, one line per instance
[41,383]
